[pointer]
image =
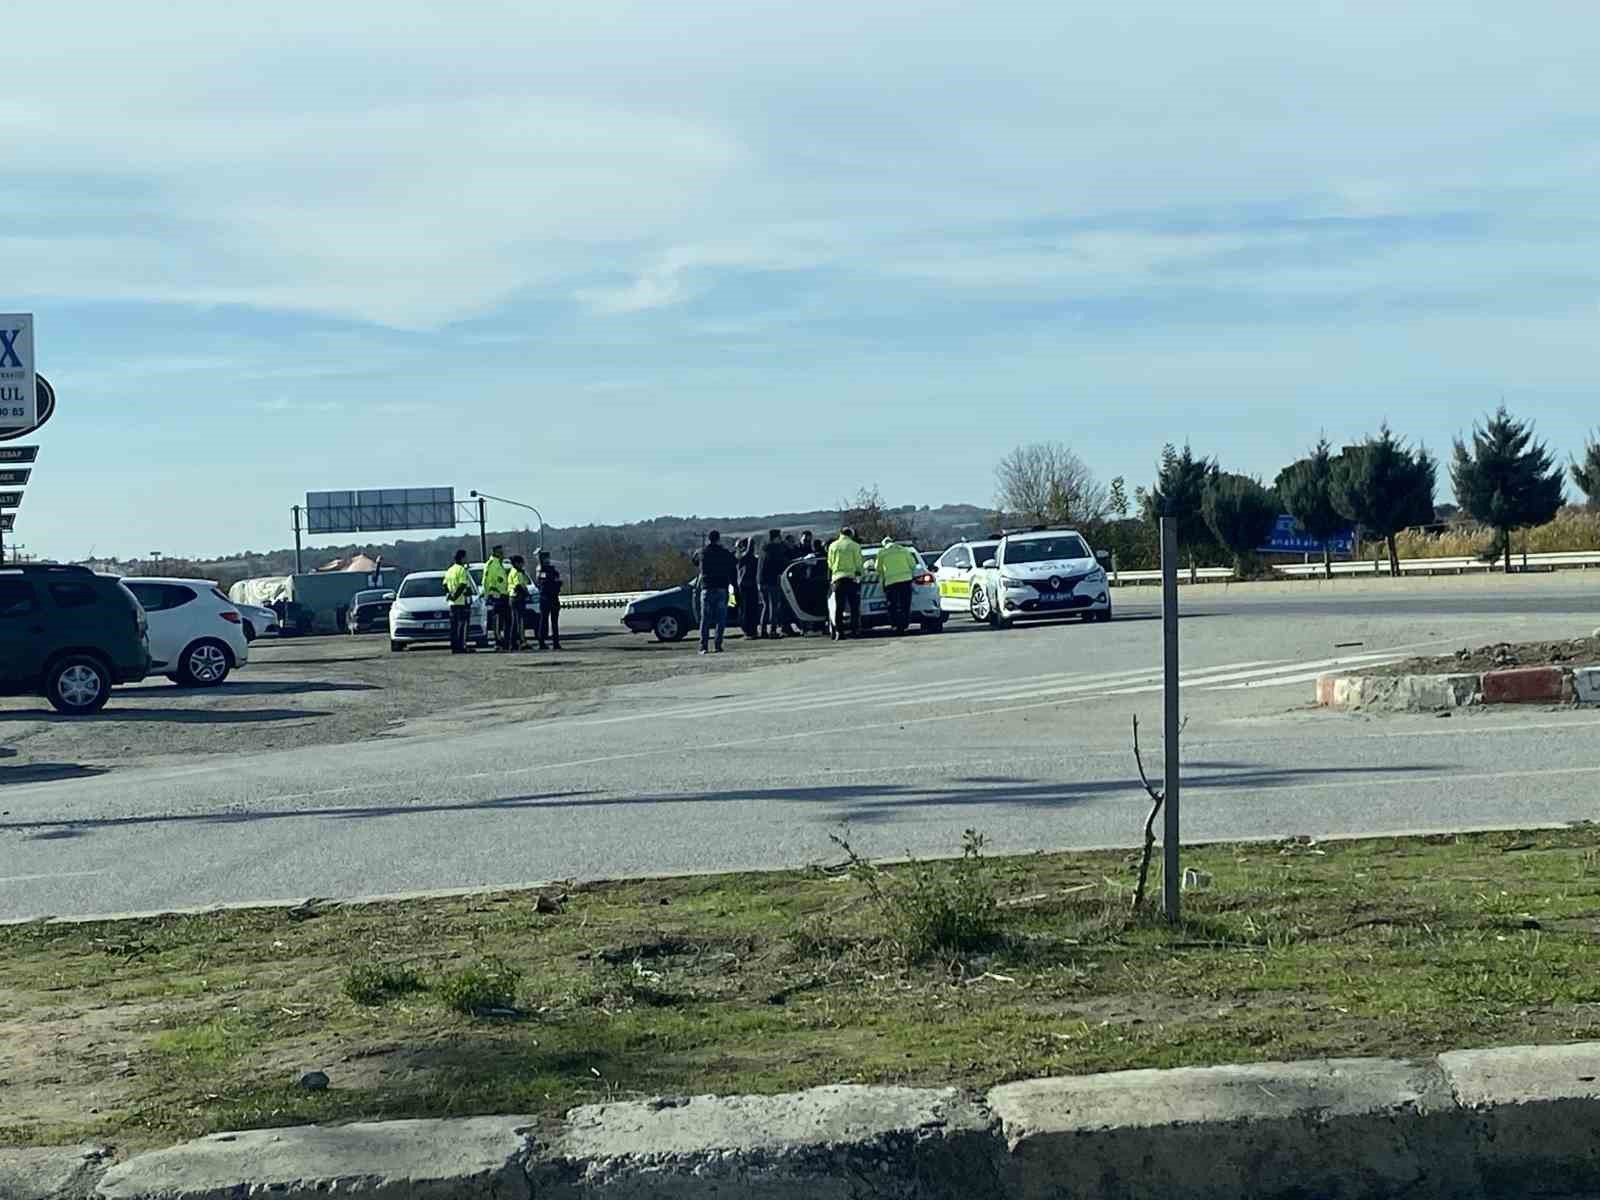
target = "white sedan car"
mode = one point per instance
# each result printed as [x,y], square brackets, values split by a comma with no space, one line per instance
[259,620]
[806,587]
[196,634]
[955,569]
[1041,573]
[421,613]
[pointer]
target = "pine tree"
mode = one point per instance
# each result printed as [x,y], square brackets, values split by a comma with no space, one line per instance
[1117,503]
[1179,492]
[1241,514]
[1506,479]
[1383,486]
[1586,474]
[1306,489]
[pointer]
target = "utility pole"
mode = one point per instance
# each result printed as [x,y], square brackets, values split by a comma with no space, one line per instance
[483,530]
[1172,723]
[572,564]
[299,567]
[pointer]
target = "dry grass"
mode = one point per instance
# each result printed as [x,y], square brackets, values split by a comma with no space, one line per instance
[1574,529]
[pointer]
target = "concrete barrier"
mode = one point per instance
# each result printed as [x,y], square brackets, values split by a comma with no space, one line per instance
[1470,1124]
[1440,693]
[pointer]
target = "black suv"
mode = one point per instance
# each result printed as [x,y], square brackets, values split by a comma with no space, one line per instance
[70,634]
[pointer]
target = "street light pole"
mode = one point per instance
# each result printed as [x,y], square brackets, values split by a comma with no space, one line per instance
[482,496]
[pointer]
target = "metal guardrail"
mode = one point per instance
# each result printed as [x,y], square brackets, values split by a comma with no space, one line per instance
[1201,575]
[602,599]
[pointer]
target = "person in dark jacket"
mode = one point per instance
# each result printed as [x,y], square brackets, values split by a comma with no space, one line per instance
[748,563]
[774,558]
[547,579]
[718,573]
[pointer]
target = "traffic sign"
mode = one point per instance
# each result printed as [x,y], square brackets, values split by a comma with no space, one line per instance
[18,454]
[1288,538]
[15,478]
[10,499]
[19,399]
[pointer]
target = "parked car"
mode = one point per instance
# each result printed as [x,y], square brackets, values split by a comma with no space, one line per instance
[196,634]
[259,620]
[955,569]
[369,611]
[1041,573]
[421,613]
[669,614]
[69,635]
[807,587]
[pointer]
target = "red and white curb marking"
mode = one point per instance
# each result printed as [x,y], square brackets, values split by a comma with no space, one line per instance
[1514,685]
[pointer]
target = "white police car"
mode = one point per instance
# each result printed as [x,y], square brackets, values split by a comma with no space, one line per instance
[1041,573]
[954,571]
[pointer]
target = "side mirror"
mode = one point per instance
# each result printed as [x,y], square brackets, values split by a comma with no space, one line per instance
[989,564]
[1103,557]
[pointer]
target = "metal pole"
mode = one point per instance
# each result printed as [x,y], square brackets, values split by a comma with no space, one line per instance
[483,529]
[1171,877]
[299,567]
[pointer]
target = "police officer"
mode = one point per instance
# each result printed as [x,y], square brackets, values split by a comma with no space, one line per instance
[498,594]
[845,568]
[459,590]
[548,580]
[897,567]
[519,582]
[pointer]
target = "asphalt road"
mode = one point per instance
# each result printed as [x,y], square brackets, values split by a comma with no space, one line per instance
[1022,734]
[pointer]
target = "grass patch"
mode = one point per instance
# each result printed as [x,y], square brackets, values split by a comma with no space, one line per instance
[972,972]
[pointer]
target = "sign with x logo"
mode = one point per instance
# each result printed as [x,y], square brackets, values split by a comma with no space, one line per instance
[19,402]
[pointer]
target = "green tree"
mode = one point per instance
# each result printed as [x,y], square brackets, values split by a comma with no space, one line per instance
[1117,502]
[1384,486]
[1179,492]
[1240,514]
[1506,479]
[1586,474]
[1306,490]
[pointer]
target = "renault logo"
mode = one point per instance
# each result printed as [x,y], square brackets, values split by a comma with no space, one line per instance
[1055,583]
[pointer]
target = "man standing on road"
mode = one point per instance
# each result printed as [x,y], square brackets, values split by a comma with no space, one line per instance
[897,567]
[718,571]
[518,581]
[774,558]
[748,563]
[845,570]
[547,579]
[498,594]
[458,590]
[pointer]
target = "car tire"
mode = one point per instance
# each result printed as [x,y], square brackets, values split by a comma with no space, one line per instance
[249,630]
[77,685]
[481,643]
[979,605]
[1102,617]
[203,664]
[933,626]
[671,627]
[396,647]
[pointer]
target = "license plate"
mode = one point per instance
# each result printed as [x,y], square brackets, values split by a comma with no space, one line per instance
[436,626]
[874,606]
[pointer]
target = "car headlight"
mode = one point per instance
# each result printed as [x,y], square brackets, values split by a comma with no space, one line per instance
[1098,575]
[1011,581]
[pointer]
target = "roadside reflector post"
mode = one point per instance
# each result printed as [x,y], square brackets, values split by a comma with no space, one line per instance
[1171,876]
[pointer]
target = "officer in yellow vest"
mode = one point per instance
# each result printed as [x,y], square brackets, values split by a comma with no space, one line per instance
[519,582]
[497,591]
[845,570]
[897,567]
[458,590]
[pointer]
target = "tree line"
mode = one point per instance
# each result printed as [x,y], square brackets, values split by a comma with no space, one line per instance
[1502,476]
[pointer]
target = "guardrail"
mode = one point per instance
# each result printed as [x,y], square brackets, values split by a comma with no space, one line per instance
[1565,559]
[602,599]
[1201,575]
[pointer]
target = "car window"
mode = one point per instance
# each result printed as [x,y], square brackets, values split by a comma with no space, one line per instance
[983,552]
[175,595]
[957,558]
[1046,549]
[427,585]
[158,597]
[74,594]
[16,598]
[147,594]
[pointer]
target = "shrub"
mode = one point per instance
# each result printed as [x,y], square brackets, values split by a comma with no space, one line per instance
[374,983]
[931,907]
[480,988]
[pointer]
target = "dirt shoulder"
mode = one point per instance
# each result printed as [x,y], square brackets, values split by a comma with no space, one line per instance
[334,690]
[149,1032]
[1580,652]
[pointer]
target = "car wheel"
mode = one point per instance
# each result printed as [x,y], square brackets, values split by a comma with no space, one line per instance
[249,631]
[671,627]
[980,603]
[396,647]
[204,664]
[481,643]
[933,626]
[77,685]
[1102,617]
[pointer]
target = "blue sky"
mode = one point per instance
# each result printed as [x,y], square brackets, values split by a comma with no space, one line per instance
[623,259]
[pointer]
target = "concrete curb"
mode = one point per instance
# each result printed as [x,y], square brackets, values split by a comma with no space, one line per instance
[1469,1124]
[1441,693]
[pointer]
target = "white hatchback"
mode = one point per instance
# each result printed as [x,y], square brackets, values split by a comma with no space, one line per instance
[196,634]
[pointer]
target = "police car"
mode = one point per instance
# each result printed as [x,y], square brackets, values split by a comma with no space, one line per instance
[807,588]
[955,569]
[1041,573]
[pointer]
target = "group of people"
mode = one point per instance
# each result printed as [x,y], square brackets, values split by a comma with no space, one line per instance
[507,591]
[755,576]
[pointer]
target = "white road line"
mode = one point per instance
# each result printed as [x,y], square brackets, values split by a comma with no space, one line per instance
[5,879]
[1307,677]
[1319,665]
